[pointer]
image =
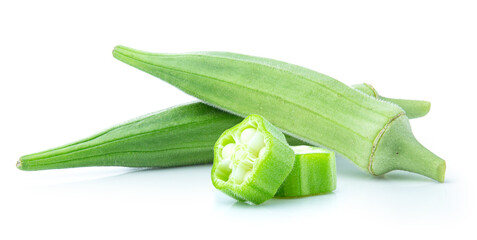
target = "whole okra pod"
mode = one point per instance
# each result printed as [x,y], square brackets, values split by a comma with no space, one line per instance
[374,134]
[182,135]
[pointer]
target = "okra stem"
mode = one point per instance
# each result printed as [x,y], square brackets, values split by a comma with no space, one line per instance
[413,108]
[399,144]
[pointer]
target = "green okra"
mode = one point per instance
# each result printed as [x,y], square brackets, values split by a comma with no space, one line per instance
[374,134]
[251,160]
[314,172]
[144,142]
[413,108]
[178,136]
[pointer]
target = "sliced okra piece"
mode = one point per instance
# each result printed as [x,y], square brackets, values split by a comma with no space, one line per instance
[251,160]
[314,172]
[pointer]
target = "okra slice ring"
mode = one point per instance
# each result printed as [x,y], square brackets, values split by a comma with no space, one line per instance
[251,160]
[314,172]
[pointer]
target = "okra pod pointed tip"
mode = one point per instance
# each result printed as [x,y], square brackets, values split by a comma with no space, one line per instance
[123,53]
[119,48]
[117,51]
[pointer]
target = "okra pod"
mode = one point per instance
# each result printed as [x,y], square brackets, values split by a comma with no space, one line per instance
[183,135]
[374,134]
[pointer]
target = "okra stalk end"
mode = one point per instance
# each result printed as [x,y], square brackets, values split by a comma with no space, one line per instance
[413,108]
[397,149]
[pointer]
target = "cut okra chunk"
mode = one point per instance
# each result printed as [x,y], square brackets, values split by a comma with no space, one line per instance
[251,160]
[314,172]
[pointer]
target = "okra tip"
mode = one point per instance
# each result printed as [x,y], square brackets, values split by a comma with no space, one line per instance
[123,51]
[117,50]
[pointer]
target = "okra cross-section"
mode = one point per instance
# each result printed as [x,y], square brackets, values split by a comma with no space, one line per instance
[314,172]
[251,160]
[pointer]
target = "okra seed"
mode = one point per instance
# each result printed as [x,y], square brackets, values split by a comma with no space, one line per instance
[253,138]
[242,171]
[247,135]
[228,150]
[256,143]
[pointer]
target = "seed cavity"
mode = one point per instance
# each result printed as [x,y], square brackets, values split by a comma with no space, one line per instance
[238,158]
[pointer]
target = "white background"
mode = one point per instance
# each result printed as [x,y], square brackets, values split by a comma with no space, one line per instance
[60,83]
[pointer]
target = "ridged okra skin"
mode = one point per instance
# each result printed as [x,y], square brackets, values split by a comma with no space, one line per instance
[178,136]
[301,102]
[251,160]
[314,172]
